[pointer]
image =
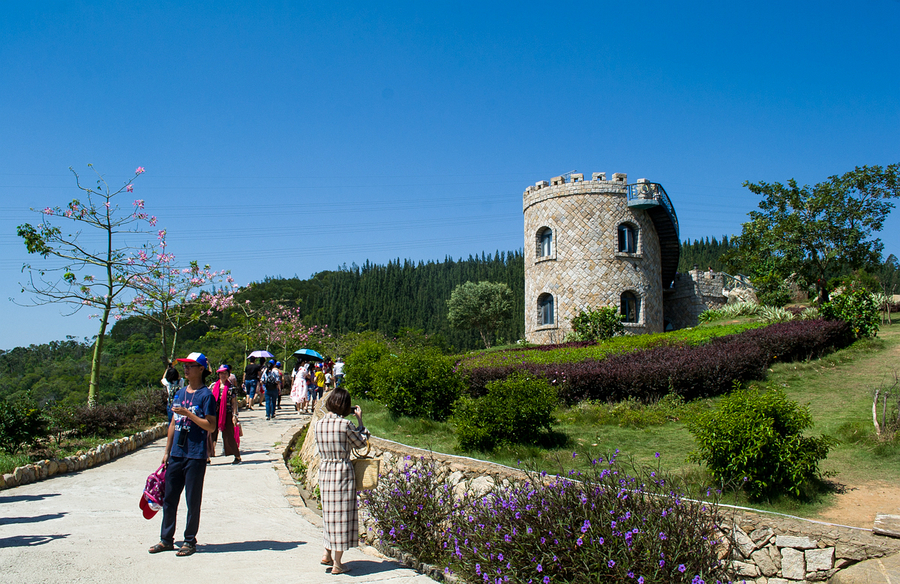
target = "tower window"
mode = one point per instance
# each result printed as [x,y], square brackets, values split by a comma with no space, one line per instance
[545,242]
[545,310]
[627,238]
[630,307]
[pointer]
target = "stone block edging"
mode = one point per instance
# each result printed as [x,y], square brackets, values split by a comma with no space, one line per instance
[98,455]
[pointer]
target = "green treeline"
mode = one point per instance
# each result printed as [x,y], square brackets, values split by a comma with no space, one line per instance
[704,253]
[399,295]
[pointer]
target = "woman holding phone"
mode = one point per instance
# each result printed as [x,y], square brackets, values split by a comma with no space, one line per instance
[335,436]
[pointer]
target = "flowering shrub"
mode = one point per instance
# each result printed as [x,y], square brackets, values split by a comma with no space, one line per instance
[411,506]
[756,438]
[516,409]
[857,308]
[604,525]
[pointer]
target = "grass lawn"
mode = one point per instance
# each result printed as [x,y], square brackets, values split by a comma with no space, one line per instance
[837,388]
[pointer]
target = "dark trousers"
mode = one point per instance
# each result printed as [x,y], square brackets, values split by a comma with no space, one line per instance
[271,396]
[183,474]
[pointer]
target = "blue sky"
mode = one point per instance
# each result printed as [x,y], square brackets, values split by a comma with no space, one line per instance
[286,138]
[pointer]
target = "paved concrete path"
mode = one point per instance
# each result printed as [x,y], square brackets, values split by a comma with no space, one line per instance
[87,527]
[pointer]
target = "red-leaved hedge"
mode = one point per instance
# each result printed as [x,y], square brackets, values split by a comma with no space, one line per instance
[692,372]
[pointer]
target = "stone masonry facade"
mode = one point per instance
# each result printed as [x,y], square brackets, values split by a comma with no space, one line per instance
[584,267]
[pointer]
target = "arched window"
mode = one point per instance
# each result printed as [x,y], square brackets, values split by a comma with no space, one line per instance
[630,307]
[627,238]
[545,242]
[545,309]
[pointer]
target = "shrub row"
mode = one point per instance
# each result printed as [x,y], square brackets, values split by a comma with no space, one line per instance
[582,351]
[691,372]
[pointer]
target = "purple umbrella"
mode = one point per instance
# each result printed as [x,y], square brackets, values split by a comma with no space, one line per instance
[263,354]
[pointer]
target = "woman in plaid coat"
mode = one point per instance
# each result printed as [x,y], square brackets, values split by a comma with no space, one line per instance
[335,436]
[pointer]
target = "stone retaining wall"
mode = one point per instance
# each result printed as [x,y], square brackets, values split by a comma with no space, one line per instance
[104,453]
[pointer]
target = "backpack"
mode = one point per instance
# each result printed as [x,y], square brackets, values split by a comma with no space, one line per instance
[270,380]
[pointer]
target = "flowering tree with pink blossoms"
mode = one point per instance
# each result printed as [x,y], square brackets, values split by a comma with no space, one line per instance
[171,297]
[109,246]
[278,329]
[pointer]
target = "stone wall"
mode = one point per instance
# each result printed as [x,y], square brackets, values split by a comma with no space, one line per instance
[691,294]
[104,453]
[584,268]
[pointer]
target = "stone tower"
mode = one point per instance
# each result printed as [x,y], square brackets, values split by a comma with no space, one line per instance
[597,243]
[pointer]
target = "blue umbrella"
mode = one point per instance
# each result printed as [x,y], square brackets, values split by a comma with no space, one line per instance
[310,354]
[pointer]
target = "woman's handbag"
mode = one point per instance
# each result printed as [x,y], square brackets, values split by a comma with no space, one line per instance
[366,469]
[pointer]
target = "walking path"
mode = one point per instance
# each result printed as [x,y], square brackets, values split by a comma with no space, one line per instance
[87,526]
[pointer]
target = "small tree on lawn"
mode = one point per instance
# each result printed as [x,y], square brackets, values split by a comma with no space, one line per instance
[111,264]
[482,306]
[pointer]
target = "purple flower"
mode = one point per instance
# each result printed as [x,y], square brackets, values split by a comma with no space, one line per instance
[681,568]
[478,568]
[546,579]
[611,563]
[662,563]
[640,580]
[540,568]
[579,542]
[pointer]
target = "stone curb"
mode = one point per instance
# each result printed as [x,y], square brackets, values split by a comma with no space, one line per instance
[48,468]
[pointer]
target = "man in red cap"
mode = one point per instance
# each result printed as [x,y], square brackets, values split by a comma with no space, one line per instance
[194,416]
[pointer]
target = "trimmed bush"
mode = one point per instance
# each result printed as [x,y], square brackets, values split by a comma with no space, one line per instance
[360,367]
[517,409]
[418,383]
[21,424]
[755,439]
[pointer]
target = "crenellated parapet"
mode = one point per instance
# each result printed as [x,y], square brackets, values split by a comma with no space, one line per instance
[574,184]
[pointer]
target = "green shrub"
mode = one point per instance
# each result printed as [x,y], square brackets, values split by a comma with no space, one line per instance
[772,290]
[858,308]
[755,436]
[596,325]
[516,409]
[21,424]
[419,383]
[360,366]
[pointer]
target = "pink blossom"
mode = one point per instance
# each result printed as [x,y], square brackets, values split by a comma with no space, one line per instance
[160,234]
[130,189]
[48,211]
[152,221]
[139,170]
[107,204]
[118,317]
[139,203]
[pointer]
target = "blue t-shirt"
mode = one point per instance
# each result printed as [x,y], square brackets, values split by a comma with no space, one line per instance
[202,403]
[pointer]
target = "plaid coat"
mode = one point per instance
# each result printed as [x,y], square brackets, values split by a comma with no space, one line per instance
[335,436]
